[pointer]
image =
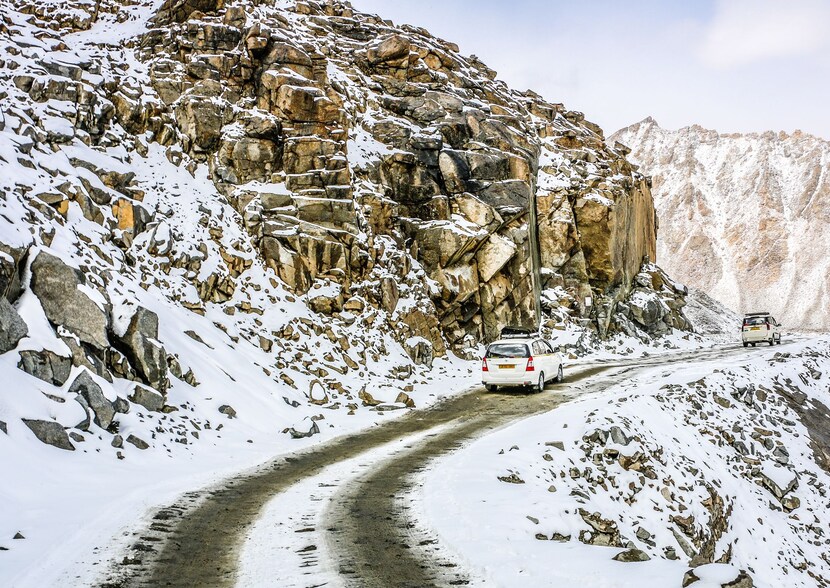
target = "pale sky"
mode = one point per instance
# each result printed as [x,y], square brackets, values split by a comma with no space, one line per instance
[730,65]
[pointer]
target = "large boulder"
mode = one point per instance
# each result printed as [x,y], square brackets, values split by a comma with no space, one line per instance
[647,308]
[60,289]
[140,345]
[149,399]
[46,365]
[85,387]
[12,327]
[51,433]
[391,51]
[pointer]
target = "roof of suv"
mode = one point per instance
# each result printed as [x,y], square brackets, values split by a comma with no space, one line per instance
[510,340]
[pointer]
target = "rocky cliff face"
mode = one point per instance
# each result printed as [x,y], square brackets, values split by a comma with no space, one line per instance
[743,217]
[329,129]
[332,198]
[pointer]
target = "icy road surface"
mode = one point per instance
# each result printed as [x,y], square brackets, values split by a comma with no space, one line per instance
[336,514]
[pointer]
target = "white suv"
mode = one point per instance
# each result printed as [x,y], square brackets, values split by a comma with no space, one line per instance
[760,327]
[520,359]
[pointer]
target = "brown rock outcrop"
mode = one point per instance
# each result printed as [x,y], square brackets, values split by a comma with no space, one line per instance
[345,128]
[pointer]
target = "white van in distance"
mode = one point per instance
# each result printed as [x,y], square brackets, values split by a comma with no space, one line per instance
[760,327]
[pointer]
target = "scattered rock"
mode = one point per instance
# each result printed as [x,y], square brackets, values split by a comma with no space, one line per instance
[12,327]
[511,479]
[149,399]
[117,442]
[777,490]
[683,543]
[790,502]
[367,398]
[46,365]
[51,433]
[121,405]
[227,410]
[140,345]
[781,455]
[317,393]
[603,531]
[12,264]
[403,398]
[618,436]
[389,294]
[632,555]
[295,434]
[712,574]
[85,387]
[137,441]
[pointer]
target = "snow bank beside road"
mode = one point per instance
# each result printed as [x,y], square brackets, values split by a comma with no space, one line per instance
[711,463]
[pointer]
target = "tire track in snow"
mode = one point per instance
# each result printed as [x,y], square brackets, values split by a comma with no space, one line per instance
[198,540]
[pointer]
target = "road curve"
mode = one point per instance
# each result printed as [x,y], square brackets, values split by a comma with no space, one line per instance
[196,542]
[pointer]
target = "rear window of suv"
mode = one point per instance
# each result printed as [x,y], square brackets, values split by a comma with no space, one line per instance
[756,320]
[508,350]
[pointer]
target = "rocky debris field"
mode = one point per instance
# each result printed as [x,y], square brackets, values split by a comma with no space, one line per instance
[720,469]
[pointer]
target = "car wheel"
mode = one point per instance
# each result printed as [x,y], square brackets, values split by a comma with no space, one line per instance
[490,387]
[753,344]
[540,385]
[745,344]
[560,375]
[772,342]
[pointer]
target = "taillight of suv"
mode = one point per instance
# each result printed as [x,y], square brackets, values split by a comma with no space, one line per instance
[530,367]
[484,364]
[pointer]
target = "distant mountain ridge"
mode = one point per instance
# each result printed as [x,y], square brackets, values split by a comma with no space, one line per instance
[743,217]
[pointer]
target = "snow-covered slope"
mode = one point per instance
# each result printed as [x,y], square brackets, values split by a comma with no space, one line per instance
[710,317]
[725,462]
[743,217]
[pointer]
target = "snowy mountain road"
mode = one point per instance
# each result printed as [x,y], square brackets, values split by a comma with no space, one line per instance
[363,527]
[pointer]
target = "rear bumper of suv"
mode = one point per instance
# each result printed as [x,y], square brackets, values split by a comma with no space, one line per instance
[753,336]
[514,379]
